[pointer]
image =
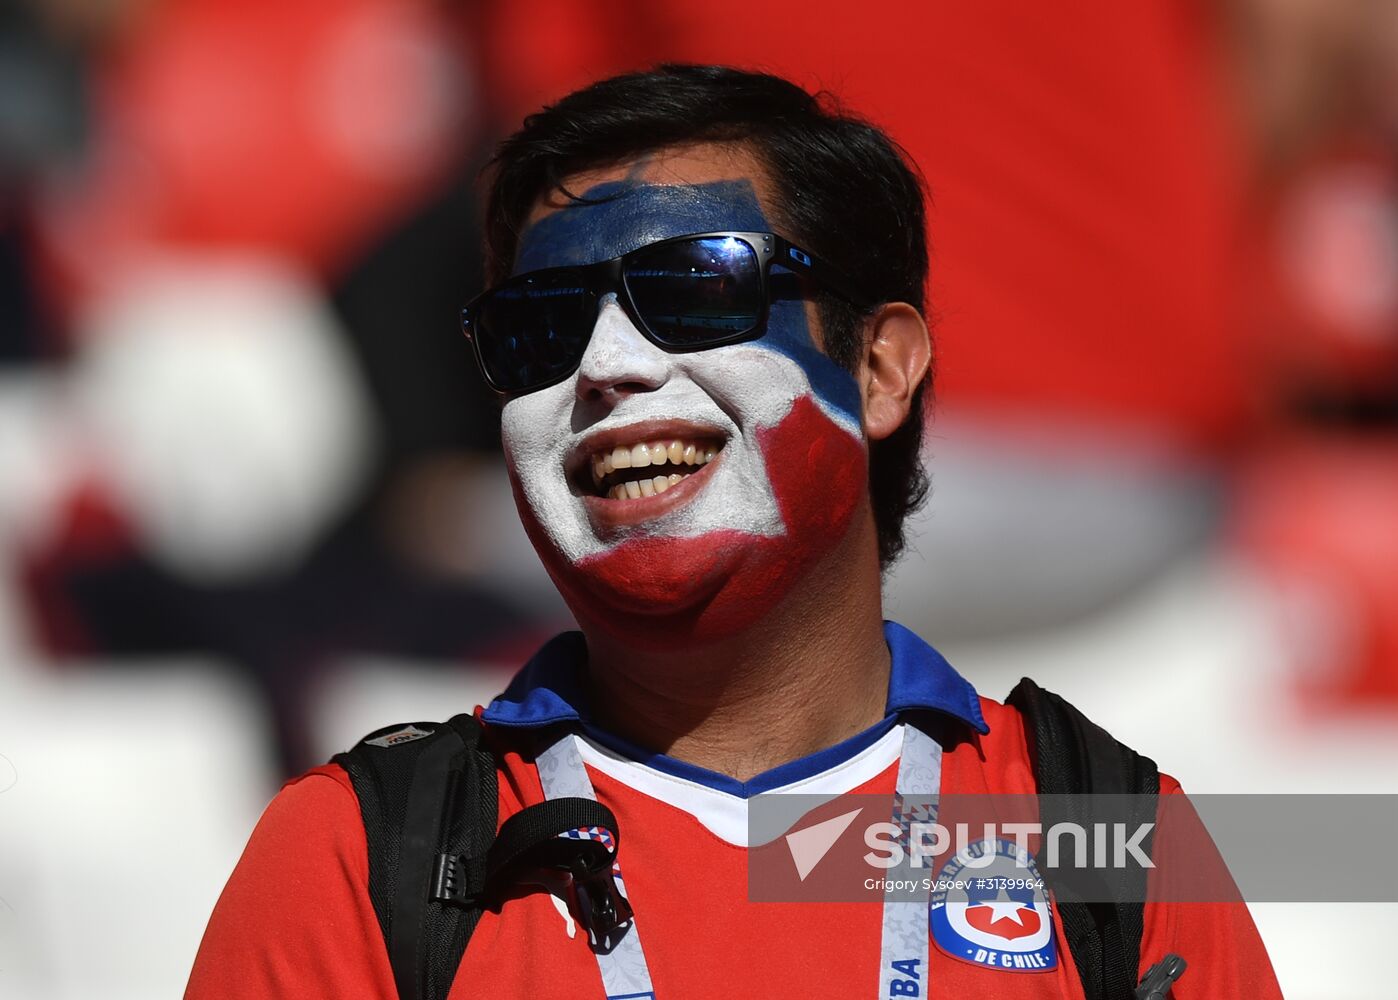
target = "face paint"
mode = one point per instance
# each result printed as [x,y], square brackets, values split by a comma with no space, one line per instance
[711,556]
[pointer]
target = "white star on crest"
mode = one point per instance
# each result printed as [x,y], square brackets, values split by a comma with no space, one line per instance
[1004,908]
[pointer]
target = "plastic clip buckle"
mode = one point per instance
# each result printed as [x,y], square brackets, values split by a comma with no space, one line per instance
[602,908]
[451,882]
[1156,982]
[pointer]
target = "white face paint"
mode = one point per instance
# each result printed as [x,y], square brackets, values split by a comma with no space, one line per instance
[727,393]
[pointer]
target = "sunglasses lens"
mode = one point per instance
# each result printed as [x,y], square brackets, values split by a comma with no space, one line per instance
[534,329]
[697,292]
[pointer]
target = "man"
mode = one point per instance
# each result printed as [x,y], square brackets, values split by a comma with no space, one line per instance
[706,324]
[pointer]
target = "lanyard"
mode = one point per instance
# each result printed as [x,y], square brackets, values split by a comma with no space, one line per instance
[625,975]
[903,952]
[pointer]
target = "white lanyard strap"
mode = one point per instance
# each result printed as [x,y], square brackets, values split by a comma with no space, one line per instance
[903,954]
[903,958]
[625,975]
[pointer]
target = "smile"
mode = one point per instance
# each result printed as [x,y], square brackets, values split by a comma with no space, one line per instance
[647,468]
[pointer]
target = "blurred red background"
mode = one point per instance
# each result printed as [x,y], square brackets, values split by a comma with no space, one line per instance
[239,427]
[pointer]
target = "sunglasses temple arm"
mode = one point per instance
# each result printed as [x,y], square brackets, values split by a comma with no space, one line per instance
[801,262]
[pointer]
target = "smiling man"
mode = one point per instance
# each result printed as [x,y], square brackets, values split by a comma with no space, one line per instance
[695,477]
[706,328]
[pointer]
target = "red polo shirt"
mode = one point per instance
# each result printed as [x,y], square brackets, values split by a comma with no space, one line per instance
[296,920]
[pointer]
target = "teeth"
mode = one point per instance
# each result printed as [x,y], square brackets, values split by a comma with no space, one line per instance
[676,453]
[647,453]
[638,488]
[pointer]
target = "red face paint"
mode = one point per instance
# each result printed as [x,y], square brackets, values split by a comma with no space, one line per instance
[656,590]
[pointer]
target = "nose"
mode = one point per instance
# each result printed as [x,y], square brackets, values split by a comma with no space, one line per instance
[619,360]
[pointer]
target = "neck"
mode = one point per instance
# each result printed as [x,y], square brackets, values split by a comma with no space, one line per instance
[813,672]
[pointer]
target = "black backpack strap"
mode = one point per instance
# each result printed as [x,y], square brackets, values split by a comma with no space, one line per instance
[1071,755]
[528,834]
[427,795]
[542,845]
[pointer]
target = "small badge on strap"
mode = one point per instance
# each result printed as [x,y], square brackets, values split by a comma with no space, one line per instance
[405,735]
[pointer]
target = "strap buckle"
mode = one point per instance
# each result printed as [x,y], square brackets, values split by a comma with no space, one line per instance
[456,880]
[1159,976]
[600,904]
[588,884]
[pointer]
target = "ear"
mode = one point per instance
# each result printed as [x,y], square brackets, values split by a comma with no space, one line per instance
[897,354]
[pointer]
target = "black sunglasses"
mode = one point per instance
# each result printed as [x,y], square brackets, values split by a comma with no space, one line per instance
[686,293]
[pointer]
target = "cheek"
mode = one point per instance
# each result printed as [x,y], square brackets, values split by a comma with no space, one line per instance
[514,429]
[533,456]
[529,434]
[722,582]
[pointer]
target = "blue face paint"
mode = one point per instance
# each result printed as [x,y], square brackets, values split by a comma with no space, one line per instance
[620,216]
[623,215]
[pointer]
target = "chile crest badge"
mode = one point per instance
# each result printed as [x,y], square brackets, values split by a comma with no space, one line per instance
[990,908]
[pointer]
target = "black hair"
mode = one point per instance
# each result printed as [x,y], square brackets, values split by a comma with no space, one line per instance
[843,188]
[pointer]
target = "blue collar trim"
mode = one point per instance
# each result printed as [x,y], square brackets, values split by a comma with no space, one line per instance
[549,688]
[549,691]
[921,679]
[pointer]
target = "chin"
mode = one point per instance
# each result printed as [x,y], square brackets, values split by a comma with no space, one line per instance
[655,591]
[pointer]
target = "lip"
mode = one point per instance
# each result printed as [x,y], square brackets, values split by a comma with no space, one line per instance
[607,513]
